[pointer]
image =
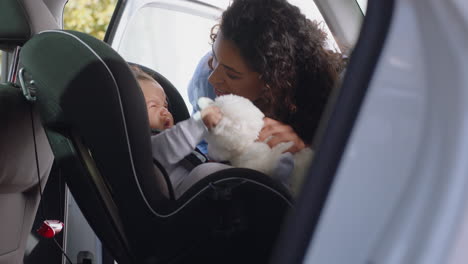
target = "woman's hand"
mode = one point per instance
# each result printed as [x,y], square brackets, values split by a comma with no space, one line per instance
[211,116]
[280,133]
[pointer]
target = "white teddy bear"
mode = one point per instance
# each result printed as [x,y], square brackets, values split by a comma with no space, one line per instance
[234,138]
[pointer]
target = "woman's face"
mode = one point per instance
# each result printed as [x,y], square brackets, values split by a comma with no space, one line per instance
[231,75]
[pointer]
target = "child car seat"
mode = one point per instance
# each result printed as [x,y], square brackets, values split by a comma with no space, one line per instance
[96,122]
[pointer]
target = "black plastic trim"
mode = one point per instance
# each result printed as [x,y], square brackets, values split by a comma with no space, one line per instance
[116,16]
[301,223]
[205,4]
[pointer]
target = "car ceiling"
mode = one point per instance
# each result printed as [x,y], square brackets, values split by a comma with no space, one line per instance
[343,17]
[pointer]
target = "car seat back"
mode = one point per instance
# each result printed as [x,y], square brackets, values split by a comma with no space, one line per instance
[22,137]
[19,182]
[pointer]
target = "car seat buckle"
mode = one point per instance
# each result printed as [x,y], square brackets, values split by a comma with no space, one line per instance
[50,228]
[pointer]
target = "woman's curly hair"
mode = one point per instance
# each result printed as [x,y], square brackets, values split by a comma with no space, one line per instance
[287,50]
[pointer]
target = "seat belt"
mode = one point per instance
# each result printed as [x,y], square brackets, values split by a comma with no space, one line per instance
[194,159]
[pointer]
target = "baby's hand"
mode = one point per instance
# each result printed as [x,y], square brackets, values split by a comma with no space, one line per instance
[211,116]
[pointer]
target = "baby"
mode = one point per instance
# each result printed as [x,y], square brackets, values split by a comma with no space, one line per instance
[173,143]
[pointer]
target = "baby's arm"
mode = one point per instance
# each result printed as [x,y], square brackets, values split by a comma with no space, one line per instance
[172,145]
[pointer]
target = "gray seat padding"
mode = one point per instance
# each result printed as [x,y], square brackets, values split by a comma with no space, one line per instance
[19,193]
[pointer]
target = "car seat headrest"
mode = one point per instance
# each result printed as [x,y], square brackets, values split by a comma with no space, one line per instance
[20,19]
[14,27]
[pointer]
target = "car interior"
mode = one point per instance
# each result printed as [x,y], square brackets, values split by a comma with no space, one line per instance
[84,122]
[387,183]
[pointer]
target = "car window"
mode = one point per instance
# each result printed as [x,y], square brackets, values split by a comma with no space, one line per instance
[362,5]
[4,66]
[1,66]
[310,10]
[168,41]
[89,16]
[172,39]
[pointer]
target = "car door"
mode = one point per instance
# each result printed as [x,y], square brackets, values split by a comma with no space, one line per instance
[389,181]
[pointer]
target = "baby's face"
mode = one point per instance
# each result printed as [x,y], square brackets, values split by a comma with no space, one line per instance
[156,102]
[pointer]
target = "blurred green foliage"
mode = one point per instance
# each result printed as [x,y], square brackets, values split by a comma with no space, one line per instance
[89,16]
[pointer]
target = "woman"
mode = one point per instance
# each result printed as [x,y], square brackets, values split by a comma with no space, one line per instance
[270,53]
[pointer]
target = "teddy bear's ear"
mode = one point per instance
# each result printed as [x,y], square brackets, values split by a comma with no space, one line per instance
[204,102]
